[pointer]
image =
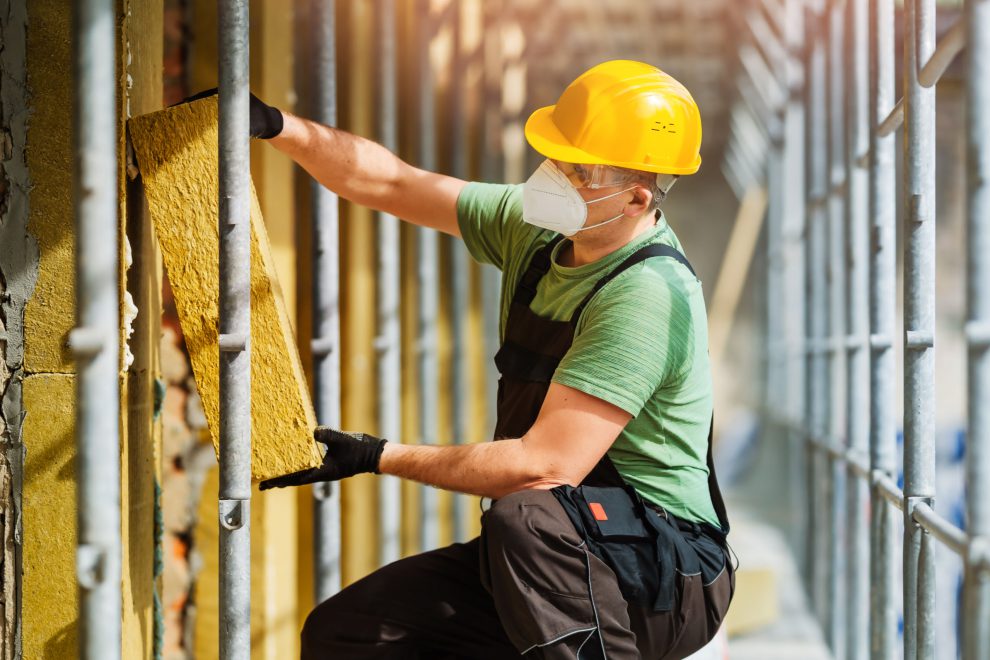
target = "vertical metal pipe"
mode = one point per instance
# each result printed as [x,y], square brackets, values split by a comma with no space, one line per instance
[388,342]
[95,339]
[324,210]
[976,634]
[919,316]
[427,247]
[460,265]
[235,333]
[835,109]
[772,76]
[493,169]
[774,344]
[883,282]
[817,381]
[858,327]
[793,245]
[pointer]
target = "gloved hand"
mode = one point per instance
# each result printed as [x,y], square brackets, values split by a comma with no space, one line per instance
[265,121]
[347,454]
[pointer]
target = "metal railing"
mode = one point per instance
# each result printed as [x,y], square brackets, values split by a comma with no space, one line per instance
[844,350]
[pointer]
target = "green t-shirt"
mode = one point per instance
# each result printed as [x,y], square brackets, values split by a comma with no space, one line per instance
[641,343]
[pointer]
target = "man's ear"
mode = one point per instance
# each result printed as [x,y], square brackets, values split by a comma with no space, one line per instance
[642,196]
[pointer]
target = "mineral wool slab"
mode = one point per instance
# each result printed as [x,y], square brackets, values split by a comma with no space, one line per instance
[176,150]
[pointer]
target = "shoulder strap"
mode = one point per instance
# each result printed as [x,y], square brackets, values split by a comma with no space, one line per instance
[539,265]
[642,254]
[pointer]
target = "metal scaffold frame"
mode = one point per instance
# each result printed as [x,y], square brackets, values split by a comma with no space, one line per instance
[388,343]
[235,332]
[847,421]
[95,340]
[324,210]
[427,277]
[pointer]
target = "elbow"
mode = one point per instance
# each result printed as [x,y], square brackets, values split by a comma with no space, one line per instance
[542,470]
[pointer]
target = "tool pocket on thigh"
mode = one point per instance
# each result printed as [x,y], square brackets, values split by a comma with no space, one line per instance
[703,596]
[538,579]
[718,579]
[621,531]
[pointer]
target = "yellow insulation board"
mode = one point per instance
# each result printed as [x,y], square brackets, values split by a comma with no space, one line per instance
[176,151]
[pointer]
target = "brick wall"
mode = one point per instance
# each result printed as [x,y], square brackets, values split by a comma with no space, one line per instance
[187,452]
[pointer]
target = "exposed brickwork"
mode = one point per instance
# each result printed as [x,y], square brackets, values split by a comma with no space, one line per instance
[186,450]
[186,454]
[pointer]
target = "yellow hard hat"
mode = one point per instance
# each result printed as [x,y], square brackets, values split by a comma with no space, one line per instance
[621,113]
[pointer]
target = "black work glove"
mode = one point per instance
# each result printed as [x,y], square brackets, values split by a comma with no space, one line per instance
[266,121]
[347,454]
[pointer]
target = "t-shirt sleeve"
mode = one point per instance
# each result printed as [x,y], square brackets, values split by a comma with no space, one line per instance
[633,336]
[488,215]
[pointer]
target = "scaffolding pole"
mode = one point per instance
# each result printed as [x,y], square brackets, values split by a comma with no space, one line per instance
[883,282]
[94,341]
[816,389]
[836,472]
[460,265]
[427,247]
[235,333]
[976,610]
[792,228]
[492,169]
[324,209]
[919,327]
[388,341]
[858,327]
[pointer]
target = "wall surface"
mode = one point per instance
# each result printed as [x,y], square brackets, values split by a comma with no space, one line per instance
[18,272]
[49,602]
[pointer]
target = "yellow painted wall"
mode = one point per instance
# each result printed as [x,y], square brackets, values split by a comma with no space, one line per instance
[49,601]
[49,605]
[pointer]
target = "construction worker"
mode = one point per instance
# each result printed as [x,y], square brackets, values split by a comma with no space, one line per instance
[606,535]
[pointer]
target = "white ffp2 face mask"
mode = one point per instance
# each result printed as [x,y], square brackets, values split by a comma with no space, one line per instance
[551,202]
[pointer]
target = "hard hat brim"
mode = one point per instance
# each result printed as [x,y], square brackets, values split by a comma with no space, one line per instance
[544,136]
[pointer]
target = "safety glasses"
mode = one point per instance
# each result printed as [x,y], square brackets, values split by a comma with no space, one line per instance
[603,176]
[593,176]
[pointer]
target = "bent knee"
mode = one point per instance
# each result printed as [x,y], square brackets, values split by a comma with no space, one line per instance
[516,511]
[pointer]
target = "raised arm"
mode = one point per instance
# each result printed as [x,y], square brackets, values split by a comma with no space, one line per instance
[367,173]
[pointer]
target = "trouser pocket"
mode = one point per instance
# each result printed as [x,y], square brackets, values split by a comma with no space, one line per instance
[703,598]
[549,591]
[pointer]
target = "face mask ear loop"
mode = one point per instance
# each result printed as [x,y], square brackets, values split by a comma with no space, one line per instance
[603,222]
[592,201]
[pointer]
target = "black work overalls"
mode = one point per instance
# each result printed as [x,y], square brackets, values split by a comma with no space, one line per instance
[527,587]
[531,350]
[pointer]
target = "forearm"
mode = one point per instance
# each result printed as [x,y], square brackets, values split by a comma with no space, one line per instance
[490,469]
[368,174]
[353,167]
